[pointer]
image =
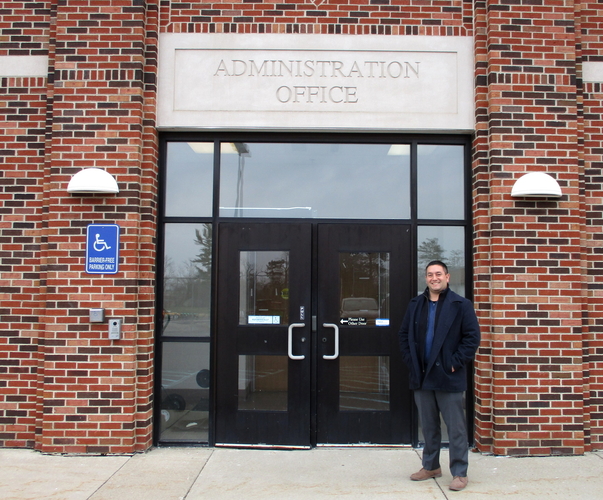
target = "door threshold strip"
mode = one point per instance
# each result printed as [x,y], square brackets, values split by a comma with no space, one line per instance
[262,446]
[362,445]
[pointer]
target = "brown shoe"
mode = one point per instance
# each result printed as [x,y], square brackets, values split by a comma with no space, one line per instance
[458,483]
[424,474]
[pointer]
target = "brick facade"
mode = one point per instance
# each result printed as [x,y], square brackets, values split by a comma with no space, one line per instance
[66,388]
[537,385]
[538,276]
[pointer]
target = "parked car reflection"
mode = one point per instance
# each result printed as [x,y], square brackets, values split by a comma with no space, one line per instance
[185,392]
[360,307]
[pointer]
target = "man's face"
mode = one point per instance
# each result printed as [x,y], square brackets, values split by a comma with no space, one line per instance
[437,279]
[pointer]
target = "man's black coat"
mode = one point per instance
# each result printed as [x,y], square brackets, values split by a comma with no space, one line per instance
[456,339]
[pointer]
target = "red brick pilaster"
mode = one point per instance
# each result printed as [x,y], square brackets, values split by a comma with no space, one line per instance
[149,188]
[591,18]
[533,267]
[481,182]
[24,29]
[96,394]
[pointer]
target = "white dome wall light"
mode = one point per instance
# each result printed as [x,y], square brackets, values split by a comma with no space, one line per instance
[536,185]
[93,181]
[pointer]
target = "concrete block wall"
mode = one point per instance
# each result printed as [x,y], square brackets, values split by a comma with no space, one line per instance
[538,278]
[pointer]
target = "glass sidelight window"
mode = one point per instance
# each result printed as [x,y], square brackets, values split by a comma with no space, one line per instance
[440,181]
[187,280]
[441,195]
[189,179]
[185,391]
[185,333]
[445,243]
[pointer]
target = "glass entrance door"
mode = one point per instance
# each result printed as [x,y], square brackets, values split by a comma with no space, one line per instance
[307,349]
[363,288]
[263,335]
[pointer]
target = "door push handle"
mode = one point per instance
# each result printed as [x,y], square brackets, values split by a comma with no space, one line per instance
[336,353]
[290,340]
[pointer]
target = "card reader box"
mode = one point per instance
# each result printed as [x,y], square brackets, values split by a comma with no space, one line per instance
[97,315]
[114,329]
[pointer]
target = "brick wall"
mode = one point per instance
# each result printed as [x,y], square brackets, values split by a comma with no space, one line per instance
[22,118]
[537,379]
[537,264]
[68,388]
[376,17]
[593,241]
[592,111]
[97,393]
[24,31]
[24,28]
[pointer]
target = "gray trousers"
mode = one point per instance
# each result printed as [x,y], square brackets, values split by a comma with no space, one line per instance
[450,405]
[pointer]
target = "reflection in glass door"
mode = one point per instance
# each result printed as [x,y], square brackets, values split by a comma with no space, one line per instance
[364,383]
[263,300]
[183,392]
[364,279]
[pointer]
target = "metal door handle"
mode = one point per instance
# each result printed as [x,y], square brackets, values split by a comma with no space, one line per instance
[336,328]
[290,341]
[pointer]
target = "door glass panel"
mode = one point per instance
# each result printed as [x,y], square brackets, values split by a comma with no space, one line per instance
[187,280]
[364,289]
[440,181]
[263,382]
[445,243]
[185,391]
[364,383]
[189,179]
[264,288]
[359,181]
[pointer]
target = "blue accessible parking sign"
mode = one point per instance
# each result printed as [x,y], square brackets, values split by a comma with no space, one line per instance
[102,249]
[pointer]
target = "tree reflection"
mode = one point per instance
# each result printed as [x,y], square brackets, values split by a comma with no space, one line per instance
[431,249]
[186,288]
[203,238]
[266,276]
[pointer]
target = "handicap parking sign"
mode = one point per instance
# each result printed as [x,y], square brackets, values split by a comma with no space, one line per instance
[102,249]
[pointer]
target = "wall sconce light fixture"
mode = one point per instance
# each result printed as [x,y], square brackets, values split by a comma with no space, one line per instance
[536,185]
[92,180]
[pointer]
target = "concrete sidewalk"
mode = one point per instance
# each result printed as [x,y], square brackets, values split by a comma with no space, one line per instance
[218,473]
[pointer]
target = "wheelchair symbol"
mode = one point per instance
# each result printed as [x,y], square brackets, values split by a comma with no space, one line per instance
[100,245]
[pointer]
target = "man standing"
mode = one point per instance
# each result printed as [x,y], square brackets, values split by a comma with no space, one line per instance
[438,338]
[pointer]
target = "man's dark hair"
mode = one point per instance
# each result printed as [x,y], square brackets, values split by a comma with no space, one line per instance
[436,263]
